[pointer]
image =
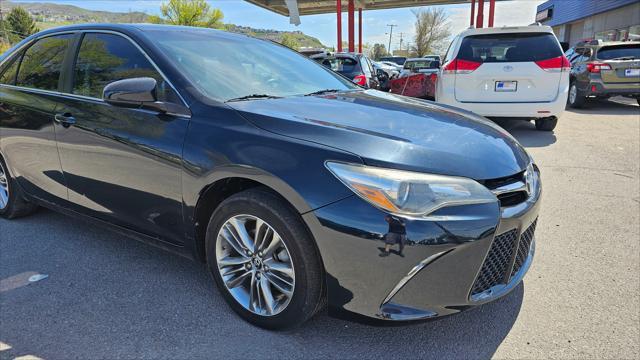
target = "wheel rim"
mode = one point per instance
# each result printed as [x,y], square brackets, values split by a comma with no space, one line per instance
[255,265]
[573,93]
[4,188]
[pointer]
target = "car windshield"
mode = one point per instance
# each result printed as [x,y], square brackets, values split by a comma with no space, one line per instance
[626,51]
[231,67]
[512,47]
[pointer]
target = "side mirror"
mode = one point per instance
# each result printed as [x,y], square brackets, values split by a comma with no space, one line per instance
[134,92]
[139,93]
[381,75]
[565,46]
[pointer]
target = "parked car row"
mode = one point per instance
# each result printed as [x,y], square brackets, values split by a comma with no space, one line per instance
[515,72]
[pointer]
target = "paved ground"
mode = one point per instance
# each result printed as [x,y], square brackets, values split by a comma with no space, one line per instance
[111,297]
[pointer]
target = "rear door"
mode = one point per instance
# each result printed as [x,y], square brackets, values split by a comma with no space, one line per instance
[508,67]
[624,61]
[29,95]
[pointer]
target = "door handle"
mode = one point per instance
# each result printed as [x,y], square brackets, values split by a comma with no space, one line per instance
[65,120]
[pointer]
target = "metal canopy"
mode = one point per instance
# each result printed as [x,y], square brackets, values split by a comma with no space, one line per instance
[312,7]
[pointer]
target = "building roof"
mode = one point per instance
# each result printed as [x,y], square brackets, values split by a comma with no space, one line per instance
[312,7]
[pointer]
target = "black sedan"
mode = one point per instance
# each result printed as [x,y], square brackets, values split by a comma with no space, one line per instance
[297,188]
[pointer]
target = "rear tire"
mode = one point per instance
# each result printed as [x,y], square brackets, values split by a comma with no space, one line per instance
[266,305]
[546,124]
[13,203]
[575,99]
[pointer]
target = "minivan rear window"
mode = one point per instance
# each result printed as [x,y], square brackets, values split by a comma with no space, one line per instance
[512,47]
[625,51]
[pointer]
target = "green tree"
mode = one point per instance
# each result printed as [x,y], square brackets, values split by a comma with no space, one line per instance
[190,13]
[378,51]
[290,41]
[432,31]
[20,24]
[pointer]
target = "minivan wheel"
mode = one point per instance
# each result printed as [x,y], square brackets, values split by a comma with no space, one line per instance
[575,99]
[264,260]
[12,201]
[546,124]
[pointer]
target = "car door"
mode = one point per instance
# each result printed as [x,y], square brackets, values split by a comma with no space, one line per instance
[29,94]
[579,67]
[122,165]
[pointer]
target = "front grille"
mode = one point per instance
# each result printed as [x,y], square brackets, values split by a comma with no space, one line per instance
[495,265]
[501,255]
[523,247]
[512,198]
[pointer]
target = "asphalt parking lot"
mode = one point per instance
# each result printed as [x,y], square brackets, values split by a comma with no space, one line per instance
[111,297]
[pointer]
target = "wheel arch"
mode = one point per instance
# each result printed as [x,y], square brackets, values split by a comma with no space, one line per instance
[233,180]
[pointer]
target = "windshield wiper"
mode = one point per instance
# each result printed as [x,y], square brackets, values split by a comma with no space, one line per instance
[255,96]
[324,91]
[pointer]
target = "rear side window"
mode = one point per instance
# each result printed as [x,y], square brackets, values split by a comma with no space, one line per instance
[9,74]
[514,47]
[42,63]
[105,58]
[421,64]
[619,52]
[342,65]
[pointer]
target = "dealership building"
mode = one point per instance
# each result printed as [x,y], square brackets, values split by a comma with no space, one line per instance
[577,20]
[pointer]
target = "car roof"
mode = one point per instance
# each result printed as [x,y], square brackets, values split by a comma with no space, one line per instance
[128,28]
[507,30]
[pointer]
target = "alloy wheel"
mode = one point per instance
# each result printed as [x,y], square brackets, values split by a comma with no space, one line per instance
[255,265]
[4,187]
[573,94]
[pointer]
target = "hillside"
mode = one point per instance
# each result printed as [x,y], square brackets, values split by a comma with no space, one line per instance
[50,15]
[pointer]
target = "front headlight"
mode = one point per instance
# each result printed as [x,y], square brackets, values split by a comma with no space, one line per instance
[409,193]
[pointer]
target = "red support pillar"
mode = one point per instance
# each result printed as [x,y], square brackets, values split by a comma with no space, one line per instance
[480,14]
[360,30]
[339,30]
[350,13]
[473,11]
[492,9]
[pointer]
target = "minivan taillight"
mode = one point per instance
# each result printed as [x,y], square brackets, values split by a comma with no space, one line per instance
[595,67]
[360,80]
[459,66]
[556,64]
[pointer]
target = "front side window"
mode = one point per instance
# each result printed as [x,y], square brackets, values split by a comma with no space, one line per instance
[225,67]
[105,58]
[512,47]
[42,63]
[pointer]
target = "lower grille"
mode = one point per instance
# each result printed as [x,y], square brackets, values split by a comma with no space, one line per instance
[501,255]
[495,265]
[523,247]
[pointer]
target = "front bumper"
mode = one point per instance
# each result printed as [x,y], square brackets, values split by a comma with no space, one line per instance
[437,271]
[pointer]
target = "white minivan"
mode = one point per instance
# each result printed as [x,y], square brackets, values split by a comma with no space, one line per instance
[507,72]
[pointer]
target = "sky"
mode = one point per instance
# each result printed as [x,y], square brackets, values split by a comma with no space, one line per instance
[323,27]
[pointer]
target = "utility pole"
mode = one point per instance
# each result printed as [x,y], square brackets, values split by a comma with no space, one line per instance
[390,35]
[401,41]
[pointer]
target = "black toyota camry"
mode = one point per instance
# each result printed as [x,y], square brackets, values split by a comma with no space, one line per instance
[296,187]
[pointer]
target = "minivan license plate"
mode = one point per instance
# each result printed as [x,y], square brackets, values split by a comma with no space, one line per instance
[503,86]
[632,72]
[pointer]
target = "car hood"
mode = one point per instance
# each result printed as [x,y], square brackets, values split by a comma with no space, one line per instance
[393,131]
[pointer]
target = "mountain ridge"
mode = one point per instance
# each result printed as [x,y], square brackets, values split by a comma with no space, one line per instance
[49,15]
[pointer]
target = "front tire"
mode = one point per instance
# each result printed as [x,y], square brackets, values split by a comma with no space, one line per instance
[264,261]
[12,201]
[575,99]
